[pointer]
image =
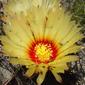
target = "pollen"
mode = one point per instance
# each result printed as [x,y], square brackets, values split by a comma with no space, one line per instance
[43,51]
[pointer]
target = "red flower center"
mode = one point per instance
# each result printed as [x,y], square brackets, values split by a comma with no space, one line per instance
[43,51]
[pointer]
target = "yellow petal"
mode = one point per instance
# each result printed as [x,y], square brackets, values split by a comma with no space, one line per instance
[68,58]
[12,49]
[37,2]
[21,61]
[72,49]
[41,77]
[59,67]
[17,6]
[42,69]
[36,22]
[64,60]
[45,3]
[18,33]
[31,70]
[72,41]
[73,32]
[57,77]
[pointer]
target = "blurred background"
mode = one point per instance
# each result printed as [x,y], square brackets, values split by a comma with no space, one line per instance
[13,74]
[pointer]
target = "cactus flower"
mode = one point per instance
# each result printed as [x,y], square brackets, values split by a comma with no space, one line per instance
[40,35]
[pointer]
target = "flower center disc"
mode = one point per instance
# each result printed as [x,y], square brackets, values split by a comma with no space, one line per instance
[43,51]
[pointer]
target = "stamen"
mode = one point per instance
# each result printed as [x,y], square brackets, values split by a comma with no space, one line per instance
[43,51]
